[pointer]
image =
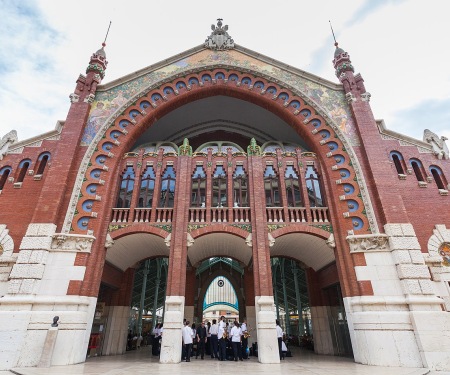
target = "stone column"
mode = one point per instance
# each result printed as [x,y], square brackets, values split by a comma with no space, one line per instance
[264,302]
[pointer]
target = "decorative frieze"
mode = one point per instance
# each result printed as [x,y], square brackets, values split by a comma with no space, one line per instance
[368,242]
[72,242]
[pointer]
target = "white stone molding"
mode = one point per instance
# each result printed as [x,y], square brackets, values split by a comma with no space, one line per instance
[173,323]
[6,242]
[72,243]
[368,242]
[271,239]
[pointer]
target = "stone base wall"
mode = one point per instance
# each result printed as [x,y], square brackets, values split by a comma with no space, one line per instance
[405,322]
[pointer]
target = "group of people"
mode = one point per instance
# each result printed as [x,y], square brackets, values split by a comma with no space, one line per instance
[219,336]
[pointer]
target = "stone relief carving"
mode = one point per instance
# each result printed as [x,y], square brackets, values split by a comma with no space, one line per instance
[7,141]
[167,240]
[249,241]
[109,241]
[439,246]
[271,240]
[219,38]
[331,241]
[190,240]
[368,242]
[440,149]
[72,243]
[6,242]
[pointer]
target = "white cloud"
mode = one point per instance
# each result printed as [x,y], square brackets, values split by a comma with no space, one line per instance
[399,48]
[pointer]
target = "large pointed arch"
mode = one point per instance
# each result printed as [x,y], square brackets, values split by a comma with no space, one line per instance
[311,122]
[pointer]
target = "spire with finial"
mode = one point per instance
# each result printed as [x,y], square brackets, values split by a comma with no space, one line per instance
[341,59]
[98,62]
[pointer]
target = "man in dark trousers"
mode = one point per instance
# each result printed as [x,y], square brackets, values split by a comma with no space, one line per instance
[201,340]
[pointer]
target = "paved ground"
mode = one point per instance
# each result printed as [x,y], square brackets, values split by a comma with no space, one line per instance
[141,362]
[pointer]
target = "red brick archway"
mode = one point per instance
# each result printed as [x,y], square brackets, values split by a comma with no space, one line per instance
[118,134]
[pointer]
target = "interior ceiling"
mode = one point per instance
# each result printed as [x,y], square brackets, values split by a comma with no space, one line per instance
[129,250]
[219,244]
[311,250]
[220,113]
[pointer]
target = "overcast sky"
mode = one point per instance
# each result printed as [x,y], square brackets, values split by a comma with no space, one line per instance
[401,48]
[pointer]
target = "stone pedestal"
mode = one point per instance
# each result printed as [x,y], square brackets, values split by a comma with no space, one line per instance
[173,322]
[265,325]
[49,346]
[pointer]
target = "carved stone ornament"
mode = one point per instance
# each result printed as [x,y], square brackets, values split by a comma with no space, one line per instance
[74,98]
[6,242]
[366,97]
[439,246]
[219,38]
[7,140]
[350,97]
[190,240]
[271,240]
[249,241]
[167,240]
[109,241]
[368,242]
[78,243]
[331,241]
[440,148]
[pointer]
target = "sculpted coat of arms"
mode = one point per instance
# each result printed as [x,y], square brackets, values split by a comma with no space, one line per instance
[219,38]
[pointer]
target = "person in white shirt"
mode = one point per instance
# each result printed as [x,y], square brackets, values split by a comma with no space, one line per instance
[279,337]
[223,339]
[214,331]
[235,334]
[187,340]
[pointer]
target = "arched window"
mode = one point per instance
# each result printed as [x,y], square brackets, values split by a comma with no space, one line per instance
[271,187]
[167,187]
[219,187]
[240,187]
[147,188]
[42,162]
[4,174]
[439,177]
[126,188]
[315,196]
[418,169]
[294,197]
[24,165]
[399,163]
[198,191]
